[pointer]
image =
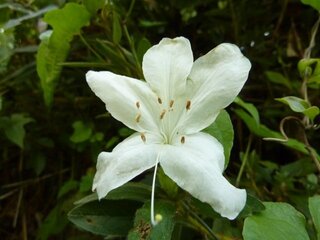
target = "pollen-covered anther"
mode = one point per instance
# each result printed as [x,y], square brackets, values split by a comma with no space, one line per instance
[138,117]
[159,100]
[138,104]
[143,137]
[171,103]
[188,105]
[183,140]
[162,113]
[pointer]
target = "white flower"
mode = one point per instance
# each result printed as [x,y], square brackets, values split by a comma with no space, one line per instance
[179,99]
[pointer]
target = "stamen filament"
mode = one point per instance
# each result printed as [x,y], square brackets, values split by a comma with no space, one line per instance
[154,221]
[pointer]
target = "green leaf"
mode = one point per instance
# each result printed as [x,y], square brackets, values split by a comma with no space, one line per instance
[162,231]
[13,127]
[279,221]
[143,45]
[6,48]
[278,78]
[93,5]
[313,3]
[81,132]
[105,217]
[52,51]
[314,207]
[253,205]
[130,191]
[263,131]
[222,129]
[67,187]
[116,28]
[250,108]
[300,105]
[296,104]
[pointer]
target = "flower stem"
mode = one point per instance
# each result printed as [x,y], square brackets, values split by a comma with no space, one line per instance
[244,162]
[153,221]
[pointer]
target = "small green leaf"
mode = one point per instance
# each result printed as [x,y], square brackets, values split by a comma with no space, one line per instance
[277,221]
[250,108]
[299,105]
[93,5]
[313,3]
[130,191]
[116,28]
[13,127]
[81,132]
[52,51]
[105,217]
[296,104]
[143,45]
[222,129]
[162,231]
[314,207]
[278,78]
[253,205]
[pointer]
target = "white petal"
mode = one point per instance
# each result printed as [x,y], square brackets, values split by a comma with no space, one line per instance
[166,67]
[215,80]
[129,100]
[128,159]
[196,166]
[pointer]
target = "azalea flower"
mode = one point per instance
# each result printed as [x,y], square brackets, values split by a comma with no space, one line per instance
[177,100]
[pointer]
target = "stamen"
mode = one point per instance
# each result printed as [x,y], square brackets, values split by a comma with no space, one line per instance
[138,104]
[138,118]
[159,100]
[171,103]
[183,139]
[188,105]
[154,221]
[143,137]
[162,113]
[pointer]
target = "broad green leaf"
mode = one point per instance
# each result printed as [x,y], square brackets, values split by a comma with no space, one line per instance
[130,191]
[300,105]
[162,231]
[279,221]
[314,207]
[13,127]
[52,51]
[278,78]
[313,3]
[167,184]
[105,217]
[93,5]
[222,129]
[143,45]
[81,132]
[263,131]
[250,108]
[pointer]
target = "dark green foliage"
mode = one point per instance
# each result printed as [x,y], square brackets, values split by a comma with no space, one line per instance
[53,127]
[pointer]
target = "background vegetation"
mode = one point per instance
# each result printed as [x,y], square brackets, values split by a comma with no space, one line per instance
[52,127]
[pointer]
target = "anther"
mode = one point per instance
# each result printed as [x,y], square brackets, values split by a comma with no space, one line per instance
[159,100]
[138,118]
[143,137]
[188,105]
[162,113]
[138,104]
[171,103]
[183,139]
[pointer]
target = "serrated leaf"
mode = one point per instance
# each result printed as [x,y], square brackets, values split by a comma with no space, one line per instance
[279,221]
[66,23]
[162,231]
[222,129]
[13,127]
[314,207]
[105,217]
[313,3]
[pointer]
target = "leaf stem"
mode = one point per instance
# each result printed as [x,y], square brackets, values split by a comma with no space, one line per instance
[244,162]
